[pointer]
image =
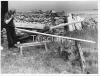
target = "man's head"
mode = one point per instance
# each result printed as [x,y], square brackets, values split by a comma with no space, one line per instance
[11,12]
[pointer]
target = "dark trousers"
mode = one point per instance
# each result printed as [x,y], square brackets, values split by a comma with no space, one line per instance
[11,36]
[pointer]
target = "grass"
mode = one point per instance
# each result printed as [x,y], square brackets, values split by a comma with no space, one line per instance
[36,60]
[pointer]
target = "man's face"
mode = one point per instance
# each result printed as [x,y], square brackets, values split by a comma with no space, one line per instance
[14,14]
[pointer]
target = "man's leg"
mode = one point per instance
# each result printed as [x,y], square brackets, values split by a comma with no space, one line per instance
[14,37]
[9,38]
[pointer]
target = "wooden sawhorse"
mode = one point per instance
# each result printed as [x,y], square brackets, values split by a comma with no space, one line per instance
[20,46]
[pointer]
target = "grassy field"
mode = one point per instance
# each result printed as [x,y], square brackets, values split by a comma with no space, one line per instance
[36,60]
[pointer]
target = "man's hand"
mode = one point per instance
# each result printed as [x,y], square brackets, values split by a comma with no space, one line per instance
[12,16]
[7,21]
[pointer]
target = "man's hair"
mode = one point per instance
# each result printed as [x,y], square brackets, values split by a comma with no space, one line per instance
[11,12]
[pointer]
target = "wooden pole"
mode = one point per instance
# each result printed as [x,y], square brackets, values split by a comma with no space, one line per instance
[82,62]
[57,36]
[64,24]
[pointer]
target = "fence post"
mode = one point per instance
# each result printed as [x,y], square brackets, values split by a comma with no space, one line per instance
[82,62]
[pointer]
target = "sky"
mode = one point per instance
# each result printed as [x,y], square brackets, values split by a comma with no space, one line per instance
[52,5]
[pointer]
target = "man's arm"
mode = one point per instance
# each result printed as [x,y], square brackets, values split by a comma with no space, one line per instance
[8,20]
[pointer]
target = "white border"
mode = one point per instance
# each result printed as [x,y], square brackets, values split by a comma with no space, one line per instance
[98,37]
[49,0]
[61,74]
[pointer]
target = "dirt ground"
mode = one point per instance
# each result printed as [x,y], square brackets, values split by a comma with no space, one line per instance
[36,60]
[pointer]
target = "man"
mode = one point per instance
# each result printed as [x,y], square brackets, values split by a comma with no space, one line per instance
[10,29]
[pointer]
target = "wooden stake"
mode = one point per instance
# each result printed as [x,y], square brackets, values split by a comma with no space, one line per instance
[83,63]
[46,47]
[21,50]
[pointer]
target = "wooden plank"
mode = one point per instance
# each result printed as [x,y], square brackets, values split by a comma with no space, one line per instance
[57,36]
[30,25]
[30,44]
[33,43]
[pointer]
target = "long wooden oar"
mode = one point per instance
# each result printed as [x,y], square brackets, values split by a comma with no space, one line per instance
[56,36]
